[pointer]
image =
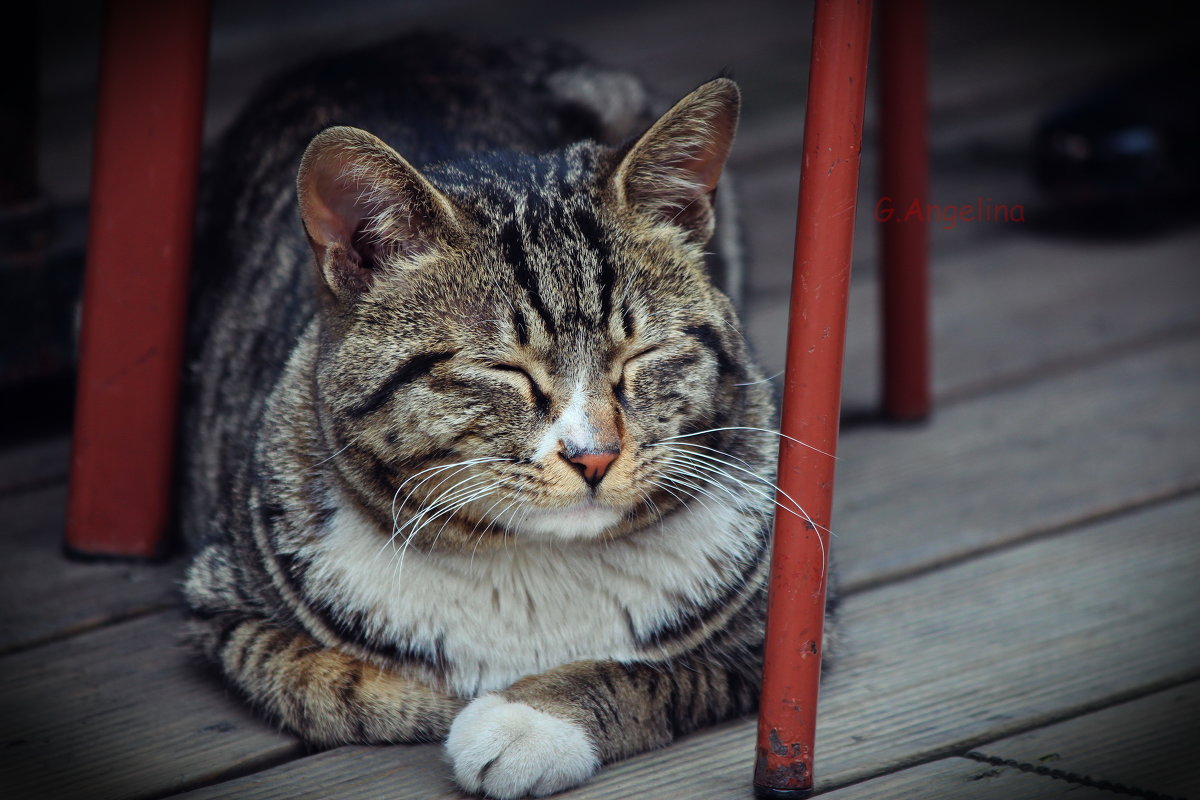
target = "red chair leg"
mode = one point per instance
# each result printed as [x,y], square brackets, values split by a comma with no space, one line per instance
[147,147]
[904,180]
[812,398]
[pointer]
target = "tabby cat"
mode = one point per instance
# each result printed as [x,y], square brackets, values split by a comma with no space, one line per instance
[473,448]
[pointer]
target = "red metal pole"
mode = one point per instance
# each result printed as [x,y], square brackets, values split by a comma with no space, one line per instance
[812,397]
[146,158]
[904,180]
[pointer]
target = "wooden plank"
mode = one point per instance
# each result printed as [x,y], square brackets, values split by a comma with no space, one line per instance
[45,596]
[356,772]
[404,771]
[927,668]
[1018,462]
[1019,636]
[123,712]
[1148,744]
[1007,308]
[963,779]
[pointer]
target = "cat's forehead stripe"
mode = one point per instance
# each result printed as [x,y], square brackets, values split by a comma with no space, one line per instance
[594,238]
[515,255]
[562,261]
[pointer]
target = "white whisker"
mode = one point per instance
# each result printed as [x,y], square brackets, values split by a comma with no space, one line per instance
[448,506]
[480,493]
[708,463]
[335,453]
[748,428]
[713,460]
[675,480]
[435,470]
[761,380]
[669,490]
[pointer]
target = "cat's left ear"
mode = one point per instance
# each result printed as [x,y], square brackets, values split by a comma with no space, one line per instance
[671,172]
[365,209]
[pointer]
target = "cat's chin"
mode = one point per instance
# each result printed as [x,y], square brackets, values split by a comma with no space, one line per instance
[585,520]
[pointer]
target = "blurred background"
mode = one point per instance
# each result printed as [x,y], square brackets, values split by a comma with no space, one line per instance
[1060,122]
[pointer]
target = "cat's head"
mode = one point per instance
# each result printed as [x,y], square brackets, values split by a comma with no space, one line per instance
[528,346]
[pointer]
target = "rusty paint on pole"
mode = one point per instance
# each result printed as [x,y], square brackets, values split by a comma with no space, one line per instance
[812,398]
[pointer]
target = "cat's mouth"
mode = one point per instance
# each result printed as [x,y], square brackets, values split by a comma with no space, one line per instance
[585,520]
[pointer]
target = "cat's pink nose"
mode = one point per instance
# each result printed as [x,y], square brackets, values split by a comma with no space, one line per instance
[591,466]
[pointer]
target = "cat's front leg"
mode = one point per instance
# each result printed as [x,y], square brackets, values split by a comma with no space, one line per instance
[552,731]
[322,694]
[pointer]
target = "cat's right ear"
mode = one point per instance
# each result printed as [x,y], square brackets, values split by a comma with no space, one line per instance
[366,210]
[670,173]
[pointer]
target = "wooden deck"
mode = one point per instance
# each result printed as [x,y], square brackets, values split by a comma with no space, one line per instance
[1021,574]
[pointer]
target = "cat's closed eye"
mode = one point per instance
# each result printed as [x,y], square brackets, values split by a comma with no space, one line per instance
[540,398]
[645,351]
[621,364]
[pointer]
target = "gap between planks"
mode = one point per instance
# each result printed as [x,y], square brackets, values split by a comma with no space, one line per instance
[963,779]
[1147,746]
[45,596]
[1030,459]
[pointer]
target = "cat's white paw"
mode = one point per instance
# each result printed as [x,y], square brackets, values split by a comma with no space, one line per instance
[509,750]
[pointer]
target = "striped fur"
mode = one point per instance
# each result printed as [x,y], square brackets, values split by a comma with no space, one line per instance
[390,390]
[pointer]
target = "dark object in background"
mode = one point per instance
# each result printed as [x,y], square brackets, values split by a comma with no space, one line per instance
[38,286]
[1127,153]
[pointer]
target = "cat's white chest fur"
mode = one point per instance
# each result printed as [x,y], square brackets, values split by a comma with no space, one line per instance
[518,611]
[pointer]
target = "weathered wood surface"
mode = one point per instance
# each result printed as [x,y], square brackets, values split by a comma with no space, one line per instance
[1018,308]
[963,779]
[1018,462]
[1150,744]
[45,596]
[122,712]
[416,772]
[929,667]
